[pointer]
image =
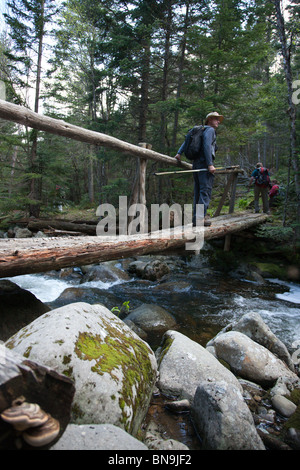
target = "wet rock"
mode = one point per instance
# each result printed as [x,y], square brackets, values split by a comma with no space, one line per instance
[249,359]
[155,441]
[142,334]
[253,326]
[91,295]
[137,268]
[110,365]
[152,318]
[18,307]
[178,406]
[151,270]
[223,419]
[104,272]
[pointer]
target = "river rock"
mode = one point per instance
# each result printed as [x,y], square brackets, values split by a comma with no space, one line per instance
[183,364]
[91,295]
[113,369]
[18,307]
[97,437]
[155,441]
[105,272]
[253,326]
[189,371]
[222,418]
[285,385]
[153,318]
[249,359]
[151,270]
[22,233]
[283,405]
[141,333]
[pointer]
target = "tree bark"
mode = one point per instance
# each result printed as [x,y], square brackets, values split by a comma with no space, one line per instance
[286,54]
[41,224]
[15,113]
[20,377]
[35,186]
[23,256]
[181,69]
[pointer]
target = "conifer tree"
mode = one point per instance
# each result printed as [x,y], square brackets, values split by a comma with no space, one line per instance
[27,21]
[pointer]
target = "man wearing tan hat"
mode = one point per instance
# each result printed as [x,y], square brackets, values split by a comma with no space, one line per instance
[203,180]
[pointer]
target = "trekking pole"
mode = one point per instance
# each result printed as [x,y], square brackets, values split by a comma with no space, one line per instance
[175,172]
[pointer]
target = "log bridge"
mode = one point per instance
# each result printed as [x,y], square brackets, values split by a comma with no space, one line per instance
[34,255]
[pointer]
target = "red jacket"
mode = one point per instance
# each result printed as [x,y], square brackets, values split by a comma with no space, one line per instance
[274,190]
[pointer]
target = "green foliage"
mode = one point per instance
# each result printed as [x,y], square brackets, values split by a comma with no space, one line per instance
[277,234]
[146,71]
[124,309]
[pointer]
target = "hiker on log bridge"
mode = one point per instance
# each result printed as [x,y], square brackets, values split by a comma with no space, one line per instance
[200,147]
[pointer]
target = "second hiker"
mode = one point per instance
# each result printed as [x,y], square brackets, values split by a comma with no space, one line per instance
[261,187]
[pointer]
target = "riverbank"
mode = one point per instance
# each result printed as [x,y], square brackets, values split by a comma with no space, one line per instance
[199,297]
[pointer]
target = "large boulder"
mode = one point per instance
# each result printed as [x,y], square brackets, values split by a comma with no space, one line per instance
[249,359]
[183,364]
[223,419]
[97,437]
[187,370]
[113,369]
[252,325]
[18,307]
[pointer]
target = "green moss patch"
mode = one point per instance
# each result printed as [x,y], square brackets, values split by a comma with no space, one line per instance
[119,352]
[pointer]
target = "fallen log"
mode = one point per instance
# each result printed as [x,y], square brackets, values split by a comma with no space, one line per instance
[22,115]
[21,380]
[34,255]
[42,224]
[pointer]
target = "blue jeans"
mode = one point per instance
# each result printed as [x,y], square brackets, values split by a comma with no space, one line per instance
[203,184]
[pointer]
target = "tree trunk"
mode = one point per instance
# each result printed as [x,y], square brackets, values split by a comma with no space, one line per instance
[24,256]
[36,383]
[286,54]
[180,76]
[35,187]
[15,113]
[164,90]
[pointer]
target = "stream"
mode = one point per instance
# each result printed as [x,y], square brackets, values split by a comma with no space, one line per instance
[201,300]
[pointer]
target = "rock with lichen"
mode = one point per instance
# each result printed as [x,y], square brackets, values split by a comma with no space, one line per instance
[114,370]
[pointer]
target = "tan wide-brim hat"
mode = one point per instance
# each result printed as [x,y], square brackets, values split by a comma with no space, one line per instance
[215,115]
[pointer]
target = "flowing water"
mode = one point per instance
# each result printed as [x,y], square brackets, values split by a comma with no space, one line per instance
[201,303]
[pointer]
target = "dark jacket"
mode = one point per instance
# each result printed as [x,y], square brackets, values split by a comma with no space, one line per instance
[208,148]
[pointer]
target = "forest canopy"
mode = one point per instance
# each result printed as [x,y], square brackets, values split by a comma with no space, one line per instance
[146,71]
